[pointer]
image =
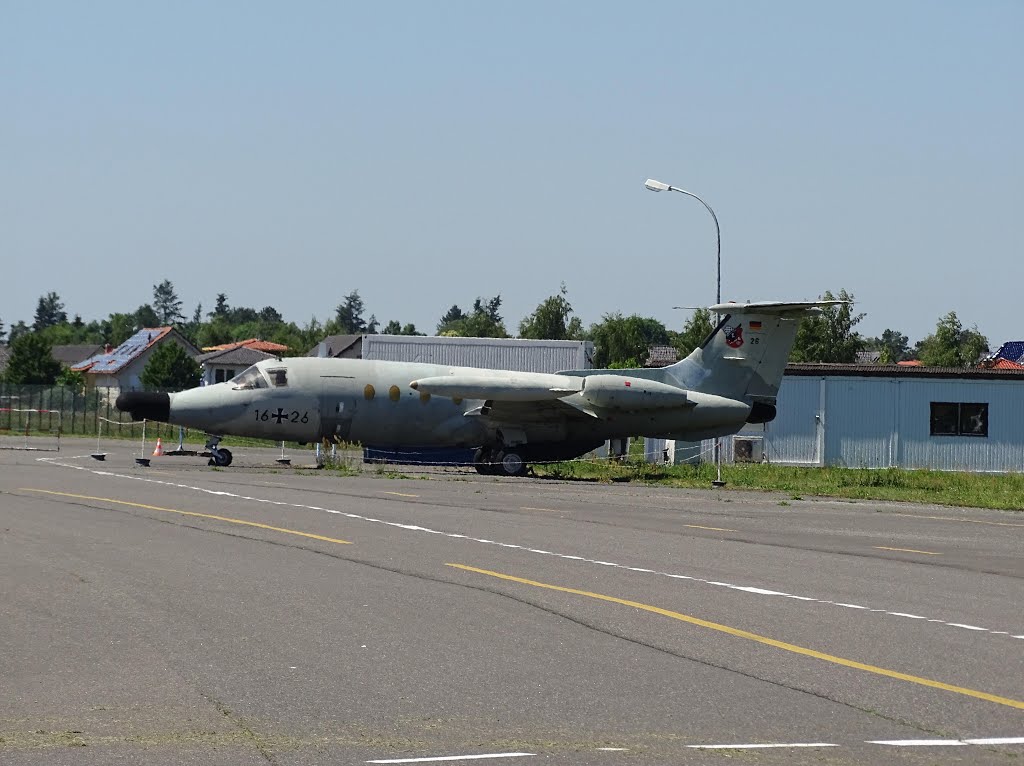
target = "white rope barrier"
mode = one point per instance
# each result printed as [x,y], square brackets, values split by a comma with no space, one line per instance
[697,451]
[28,427]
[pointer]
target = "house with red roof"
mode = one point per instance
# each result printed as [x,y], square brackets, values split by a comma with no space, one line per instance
[224,364]
[121,368]
[1000,364]
[256,344]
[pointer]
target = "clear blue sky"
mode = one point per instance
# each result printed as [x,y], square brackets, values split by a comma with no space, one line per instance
[427,153]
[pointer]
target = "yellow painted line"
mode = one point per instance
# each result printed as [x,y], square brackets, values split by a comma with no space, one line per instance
[961,521]
[400,494]
[546,510]
[755,637]
[906,550]
[713,529]
[191,513]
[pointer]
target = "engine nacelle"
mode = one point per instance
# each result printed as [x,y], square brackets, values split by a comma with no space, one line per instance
[629,393]
[506,387]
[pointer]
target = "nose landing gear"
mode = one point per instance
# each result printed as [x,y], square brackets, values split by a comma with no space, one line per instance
[218,457]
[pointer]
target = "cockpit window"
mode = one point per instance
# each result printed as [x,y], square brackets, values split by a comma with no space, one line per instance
[251,378]
[278,377]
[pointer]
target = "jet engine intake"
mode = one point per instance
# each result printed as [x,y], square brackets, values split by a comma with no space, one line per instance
[145,405]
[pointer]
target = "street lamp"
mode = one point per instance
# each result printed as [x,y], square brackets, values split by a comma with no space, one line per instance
[658,186]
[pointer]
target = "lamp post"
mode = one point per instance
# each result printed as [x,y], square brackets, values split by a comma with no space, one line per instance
[658,186]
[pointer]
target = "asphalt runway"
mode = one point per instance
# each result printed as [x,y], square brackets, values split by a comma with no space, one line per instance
[180,614]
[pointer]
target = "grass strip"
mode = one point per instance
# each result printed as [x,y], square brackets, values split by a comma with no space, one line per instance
[976,490]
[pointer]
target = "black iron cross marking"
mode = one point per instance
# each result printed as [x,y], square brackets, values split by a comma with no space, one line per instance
[279,415]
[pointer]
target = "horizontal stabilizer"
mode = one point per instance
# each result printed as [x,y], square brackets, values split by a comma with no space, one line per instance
[782,308]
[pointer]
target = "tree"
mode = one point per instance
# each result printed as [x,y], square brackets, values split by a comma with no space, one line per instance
[695,331]
[214,333]
[220,311]
[951,345]
[270,315]
[191,328]
[625,341]
[349,315]
[118,328]
[145,316]
[31,361]
[69,378]
[551,320]
[49,311]
[829,336]
[3,332]
[18,329]
[170,368]
[452,315]
[166,304]
[893,346]
[394,327]
[489,308]
[243,314]
[483,322]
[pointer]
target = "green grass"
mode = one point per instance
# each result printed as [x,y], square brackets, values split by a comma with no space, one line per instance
[1000,491]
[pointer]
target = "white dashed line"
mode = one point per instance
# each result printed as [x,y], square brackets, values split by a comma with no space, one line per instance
[918,742]
[754,590]
[453,758]
[762,746]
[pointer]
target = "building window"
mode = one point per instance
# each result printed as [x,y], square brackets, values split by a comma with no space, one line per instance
[959,419]
[218,375]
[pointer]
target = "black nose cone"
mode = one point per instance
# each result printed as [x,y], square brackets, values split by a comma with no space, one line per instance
[145,405]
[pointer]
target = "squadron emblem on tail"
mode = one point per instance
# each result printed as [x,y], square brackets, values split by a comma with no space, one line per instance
[734,336]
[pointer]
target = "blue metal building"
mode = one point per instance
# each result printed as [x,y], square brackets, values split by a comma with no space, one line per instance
[862,416]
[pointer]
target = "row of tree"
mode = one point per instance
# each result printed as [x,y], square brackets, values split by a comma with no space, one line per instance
[620,341]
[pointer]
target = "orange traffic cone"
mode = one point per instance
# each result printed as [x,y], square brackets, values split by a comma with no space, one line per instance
[159,451]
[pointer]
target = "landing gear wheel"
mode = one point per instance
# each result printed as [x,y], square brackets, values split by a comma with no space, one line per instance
[510,464]
[482,462]
[220,458]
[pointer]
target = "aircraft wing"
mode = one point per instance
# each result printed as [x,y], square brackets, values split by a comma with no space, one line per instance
[543,411]
[567,395]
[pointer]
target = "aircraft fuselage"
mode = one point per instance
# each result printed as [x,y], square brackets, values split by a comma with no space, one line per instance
[371,402]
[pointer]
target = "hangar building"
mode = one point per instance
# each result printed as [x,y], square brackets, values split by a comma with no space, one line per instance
[861,416]
[495,353]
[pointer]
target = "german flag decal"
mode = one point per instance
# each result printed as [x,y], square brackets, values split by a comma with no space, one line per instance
[755,325]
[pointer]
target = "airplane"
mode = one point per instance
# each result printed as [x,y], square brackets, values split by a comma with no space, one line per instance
[509,418]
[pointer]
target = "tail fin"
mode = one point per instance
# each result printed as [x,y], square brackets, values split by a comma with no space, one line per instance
[746,354]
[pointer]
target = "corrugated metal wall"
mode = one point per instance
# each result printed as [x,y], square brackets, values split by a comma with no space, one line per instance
[1001,450]
[492,353]
[859,421]
[795,434]
[886,422]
